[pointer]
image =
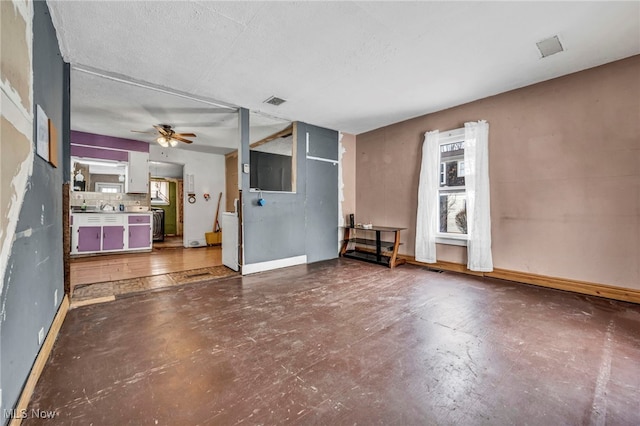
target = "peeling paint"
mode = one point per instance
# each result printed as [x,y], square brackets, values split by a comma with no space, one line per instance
[341,151]
[16,44]
[16,150]
[16,119]
[24,234]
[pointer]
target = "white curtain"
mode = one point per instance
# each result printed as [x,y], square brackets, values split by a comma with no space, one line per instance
[476,162]
[426,223]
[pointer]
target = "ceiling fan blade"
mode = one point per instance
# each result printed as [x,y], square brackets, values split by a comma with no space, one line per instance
[161,129]
[140,131]
[189,135]
[178,138]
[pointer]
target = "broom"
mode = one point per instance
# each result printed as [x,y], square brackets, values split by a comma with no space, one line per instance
[215,237]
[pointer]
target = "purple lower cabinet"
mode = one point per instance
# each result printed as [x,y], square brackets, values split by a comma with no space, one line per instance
[112,237]
[89,238]
[139,236]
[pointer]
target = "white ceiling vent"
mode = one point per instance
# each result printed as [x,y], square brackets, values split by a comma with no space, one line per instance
[549,46]
[273,100]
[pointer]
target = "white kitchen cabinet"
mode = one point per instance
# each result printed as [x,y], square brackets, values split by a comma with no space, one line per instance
[110,232]
[137,173]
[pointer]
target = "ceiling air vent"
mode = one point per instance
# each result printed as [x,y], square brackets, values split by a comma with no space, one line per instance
[273,100]
[549,46]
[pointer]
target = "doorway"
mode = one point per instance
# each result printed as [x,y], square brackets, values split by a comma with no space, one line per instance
[166,191]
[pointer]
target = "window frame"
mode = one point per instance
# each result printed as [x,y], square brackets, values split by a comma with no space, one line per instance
[446,138]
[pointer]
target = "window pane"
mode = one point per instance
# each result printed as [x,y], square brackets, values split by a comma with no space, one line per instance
[453,173]
[453,212]
[452,164]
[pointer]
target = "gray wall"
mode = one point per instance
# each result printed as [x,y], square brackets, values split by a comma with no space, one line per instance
[35,268]
[279,229]
[322,195]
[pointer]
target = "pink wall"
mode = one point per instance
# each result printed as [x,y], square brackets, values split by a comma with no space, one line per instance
[564,170]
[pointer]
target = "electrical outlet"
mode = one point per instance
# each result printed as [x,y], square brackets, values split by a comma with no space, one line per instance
[55,298]
[41,336]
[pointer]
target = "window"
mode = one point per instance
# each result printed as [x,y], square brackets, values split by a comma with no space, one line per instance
[109,188]
[453,192]
[452,197]
[160,192]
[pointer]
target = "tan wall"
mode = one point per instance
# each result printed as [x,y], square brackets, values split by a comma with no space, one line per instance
[564,170]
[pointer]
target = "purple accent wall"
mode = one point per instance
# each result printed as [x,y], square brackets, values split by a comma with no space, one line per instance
[103,154]
[101,141]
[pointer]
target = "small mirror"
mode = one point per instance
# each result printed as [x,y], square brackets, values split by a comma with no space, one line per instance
[93,175]
[272,160]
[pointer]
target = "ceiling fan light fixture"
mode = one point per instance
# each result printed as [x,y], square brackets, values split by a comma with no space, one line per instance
[163,141]
[173,142]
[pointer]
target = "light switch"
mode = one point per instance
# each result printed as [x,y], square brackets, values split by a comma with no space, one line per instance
[245,168]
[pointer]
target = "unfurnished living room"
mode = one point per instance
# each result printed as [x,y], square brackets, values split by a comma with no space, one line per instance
[324,213]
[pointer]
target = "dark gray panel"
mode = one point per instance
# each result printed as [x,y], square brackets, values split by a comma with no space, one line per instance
[322,210]
[35,269]
[270,172]
[322,143]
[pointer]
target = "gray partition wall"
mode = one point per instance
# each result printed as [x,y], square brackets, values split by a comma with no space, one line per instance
[290,225]
[322,194]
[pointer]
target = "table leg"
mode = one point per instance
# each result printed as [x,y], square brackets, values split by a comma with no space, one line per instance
[345,242]
[396,245]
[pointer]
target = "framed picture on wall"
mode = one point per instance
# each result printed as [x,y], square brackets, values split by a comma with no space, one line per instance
[42,133]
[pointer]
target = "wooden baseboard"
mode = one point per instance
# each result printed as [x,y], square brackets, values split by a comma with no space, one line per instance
[442,265]
[582,287]
[593,289]
[41,360]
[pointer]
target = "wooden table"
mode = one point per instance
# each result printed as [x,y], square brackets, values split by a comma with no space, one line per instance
[373,250]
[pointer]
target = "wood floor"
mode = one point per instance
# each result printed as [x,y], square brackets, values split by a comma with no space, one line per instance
[346,342]
[123,266]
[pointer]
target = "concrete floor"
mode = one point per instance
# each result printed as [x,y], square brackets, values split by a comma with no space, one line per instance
[346,342]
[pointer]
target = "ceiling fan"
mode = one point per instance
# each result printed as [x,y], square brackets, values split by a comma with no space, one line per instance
[167,136]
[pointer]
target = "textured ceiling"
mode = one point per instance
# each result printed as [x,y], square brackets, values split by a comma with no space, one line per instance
[108,106]
[349,66]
